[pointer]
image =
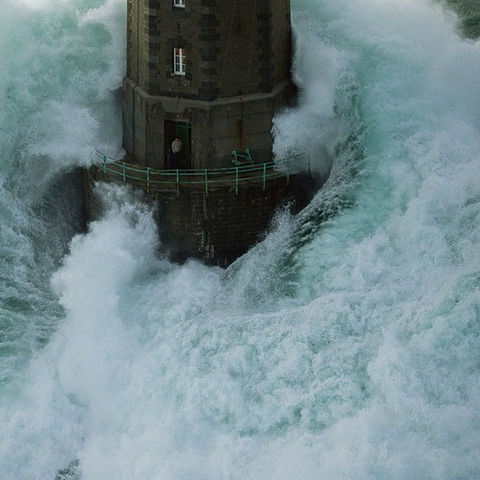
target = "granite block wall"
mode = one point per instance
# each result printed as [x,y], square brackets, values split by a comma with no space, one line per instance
[216,227]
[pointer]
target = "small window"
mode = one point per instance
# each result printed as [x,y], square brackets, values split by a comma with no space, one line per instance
[179,61]
[179,3]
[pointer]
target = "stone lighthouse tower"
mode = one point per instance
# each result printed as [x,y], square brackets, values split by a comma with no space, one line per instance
[210,72]
[204,81]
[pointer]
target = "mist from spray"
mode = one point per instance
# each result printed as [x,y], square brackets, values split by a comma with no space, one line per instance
[60,67]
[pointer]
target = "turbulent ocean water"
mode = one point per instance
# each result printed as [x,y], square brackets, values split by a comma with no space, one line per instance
[345,345]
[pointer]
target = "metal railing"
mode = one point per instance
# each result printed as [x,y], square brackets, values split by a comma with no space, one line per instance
[171,179]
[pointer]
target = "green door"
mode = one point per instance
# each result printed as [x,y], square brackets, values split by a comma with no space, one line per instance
[183,132]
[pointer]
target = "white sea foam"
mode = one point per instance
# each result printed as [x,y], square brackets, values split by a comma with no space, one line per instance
[58,70]
[312,127]
[356,357]
[62,65]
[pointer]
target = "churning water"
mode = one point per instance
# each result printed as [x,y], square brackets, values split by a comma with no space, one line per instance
[344,346]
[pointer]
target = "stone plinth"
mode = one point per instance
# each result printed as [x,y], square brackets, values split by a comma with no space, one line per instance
[217,224]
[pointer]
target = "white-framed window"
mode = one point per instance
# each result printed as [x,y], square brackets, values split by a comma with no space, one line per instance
[179,3]
[179,61]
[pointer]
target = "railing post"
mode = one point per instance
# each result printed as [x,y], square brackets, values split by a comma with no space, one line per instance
[206,182]
[178,187]
[236,180]
[148,179]
[123,173]
[288,171]
[104,164]
[264,174]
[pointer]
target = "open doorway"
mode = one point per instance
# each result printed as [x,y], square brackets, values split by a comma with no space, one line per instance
[178,138]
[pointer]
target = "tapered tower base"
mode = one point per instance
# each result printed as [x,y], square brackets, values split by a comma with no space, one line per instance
[215,221]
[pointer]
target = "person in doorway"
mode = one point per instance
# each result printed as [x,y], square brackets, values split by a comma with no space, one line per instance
[176,152]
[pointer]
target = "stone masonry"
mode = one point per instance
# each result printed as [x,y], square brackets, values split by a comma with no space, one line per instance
[216,227]
[237,77]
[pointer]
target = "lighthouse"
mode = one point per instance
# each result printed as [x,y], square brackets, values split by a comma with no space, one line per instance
[204,81]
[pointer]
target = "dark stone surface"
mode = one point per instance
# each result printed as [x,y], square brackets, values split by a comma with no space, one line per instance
[218,127]
[219,226]
[237,70]
[248,41]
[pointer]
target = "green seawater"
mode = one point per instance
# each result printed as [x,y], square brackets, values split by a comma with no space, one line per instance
[469,13]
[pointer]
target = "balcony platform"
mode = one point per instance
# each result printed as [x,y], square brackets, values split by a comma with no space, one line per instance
[214,215]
